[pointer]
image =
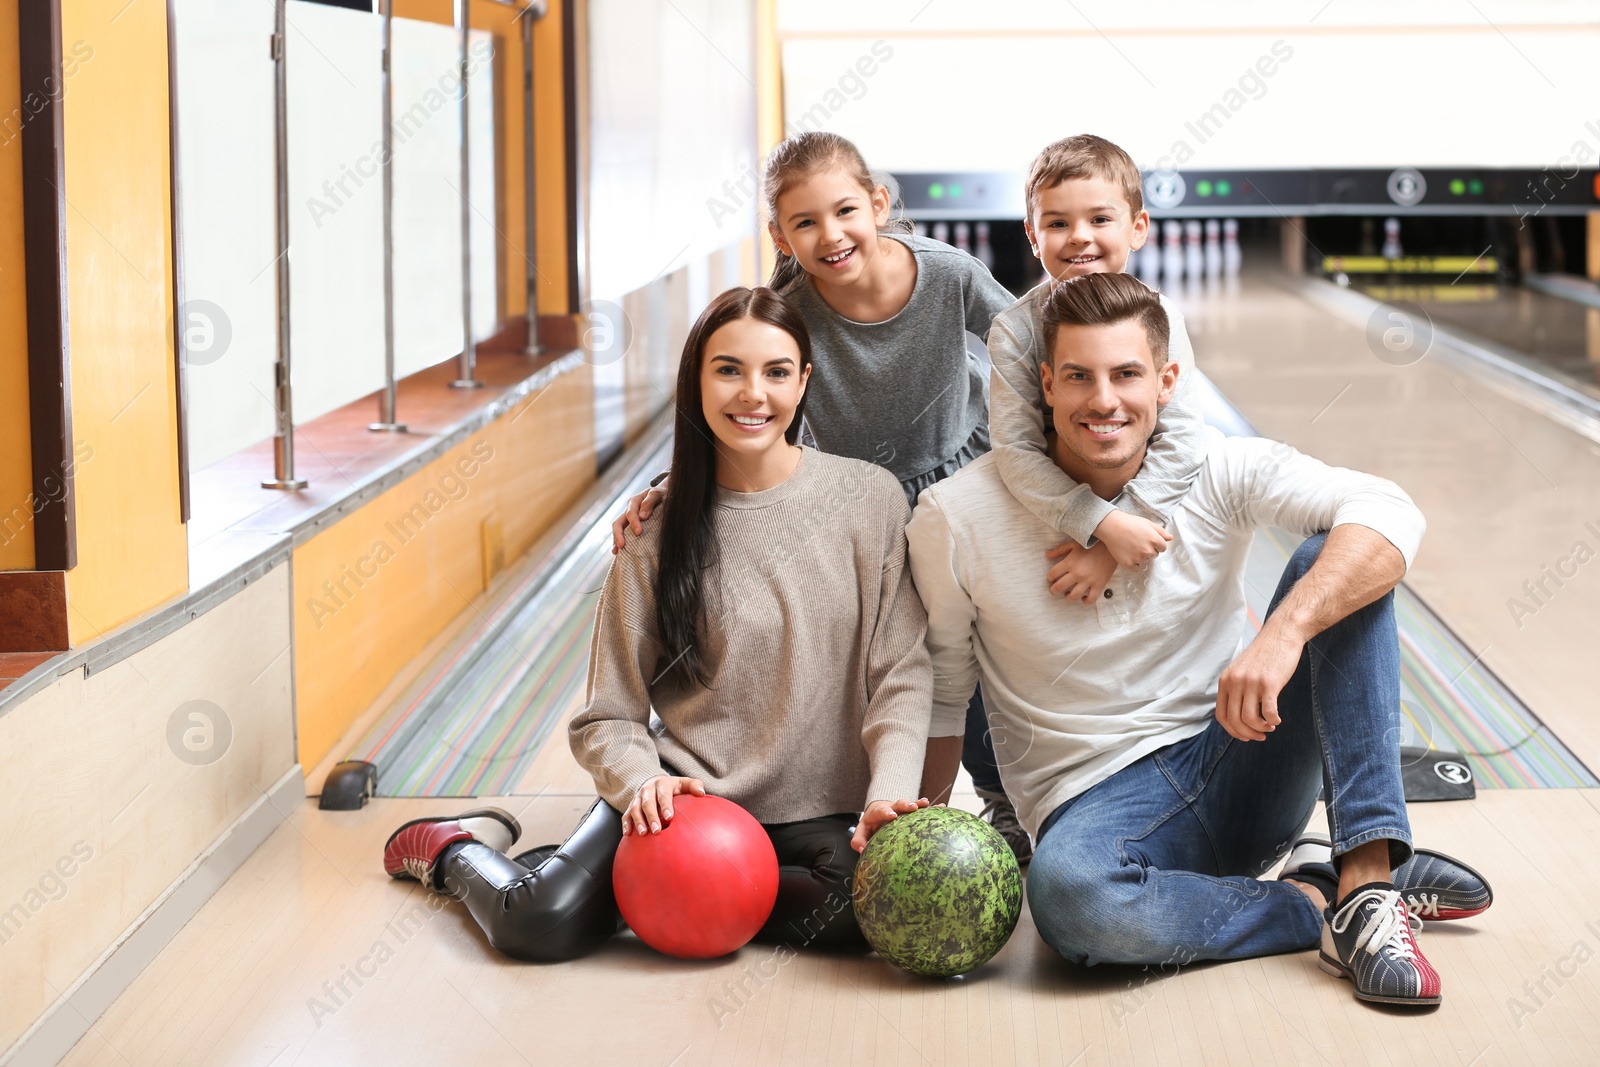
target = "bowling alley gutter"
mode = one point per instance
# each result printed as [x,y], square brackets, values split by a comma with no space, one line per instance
[1506,371]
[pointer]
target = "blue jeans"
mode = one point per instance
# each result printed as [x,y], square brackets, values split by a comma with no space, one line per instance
[977,747]
[1159,864]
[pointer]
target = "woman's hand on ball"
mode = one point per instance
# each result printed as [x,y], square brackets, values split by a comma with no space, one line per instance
[651,807]
[879,814]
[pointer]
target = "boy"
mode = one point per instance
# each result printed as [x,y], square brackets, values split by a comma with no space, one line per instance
[1085,214]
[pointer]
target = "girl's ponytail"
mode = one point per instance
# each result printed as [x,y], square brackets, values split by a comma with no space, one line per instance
[784,271]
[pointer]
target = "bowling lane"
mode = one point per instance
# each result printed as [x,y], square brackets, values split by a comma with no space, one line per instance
[1555,334]
[1508,491]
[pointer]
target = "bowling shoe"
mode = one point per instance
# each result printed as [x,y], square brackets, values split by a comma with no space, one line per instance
[1372,940]
[1435,886]
[413,850]
[999,813]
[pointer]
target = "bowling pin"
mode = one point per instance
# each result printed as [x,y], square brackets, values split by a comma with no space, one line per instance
[1150,259]
[1171,253]
[1391,238]
[1213,248]
[941,232]
[920,229]
[1193,257]
[964,237]
[984,250]
[1231,256]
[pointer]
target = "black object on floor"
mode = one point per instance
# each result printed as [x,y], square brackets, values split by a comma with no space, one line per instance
[1433,774]
[348,786]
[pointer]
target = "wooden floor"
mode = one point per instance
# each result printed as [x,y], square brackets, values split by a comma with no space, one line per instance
[310,955]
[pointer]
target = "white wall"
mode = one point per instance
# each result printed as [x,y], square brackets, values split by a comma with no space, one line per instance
[1354,83]
[229,240]
[335,212]
[427,183]
[672,132]
[225,77]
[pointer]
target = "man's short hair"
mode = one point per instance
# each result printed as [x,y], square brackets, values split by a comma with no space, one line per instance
[1105,299]
[1083,156]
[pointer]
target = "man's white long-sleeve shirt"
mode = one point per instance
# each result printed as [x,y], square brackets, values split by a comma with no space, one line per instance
[1077,692]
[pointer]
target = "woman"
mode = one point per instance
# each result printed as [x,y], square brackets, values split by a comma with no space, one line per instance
[769,620]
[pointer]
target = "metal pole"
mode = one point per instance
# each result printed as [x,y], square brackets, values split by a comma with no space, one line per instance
[386,399]
[283,430]
[536,9]
[466,363]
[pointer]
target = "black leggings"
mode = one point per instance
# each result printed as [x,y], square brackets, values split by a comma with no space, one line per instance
[563,907]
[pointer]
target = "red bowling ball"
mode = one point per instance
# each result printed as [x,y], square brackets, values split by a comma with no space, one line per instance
[704,885]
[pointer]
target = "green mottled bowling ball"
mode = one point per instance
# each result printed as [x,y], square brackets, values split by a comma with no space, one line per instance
[938,892]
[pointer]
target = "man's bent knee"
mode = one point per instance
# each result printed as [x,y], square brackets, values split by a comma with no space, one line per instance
[1303,557]
[1077,910]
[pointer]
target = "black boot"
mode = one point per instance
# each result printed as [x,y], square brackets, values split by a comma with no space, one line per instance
[561,909]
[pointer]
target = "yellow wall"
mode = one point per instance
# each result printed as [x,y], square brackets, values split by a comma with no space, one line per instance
[372,590]
[550,150]
[16,477]
[132,552]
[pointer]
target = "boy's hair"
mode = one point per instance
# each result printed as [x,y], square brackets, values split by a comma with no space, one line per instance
[1083,156]
[1105,299]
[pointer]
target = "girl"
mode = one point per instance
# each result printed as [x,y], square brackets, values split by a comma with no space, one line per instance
[769,620]
[889,316]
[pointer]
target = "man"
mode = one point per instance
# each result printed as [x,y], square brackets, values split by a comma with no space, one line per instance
[1159,772]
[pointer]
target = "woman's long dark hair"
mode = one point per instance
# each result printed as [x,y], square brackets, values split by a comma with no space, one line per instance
[687,537]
